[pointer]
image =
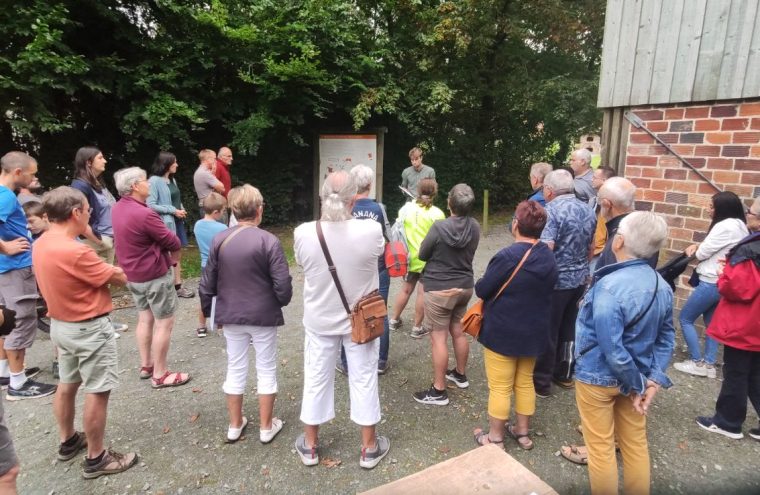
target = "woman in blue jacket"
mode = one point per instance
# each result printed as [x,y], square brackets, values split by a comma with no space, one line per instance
[164,199]
[516,324]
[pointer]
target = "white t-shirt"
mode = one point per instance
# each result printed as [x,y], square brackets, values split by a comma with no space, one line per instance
[354,246]
[723,236]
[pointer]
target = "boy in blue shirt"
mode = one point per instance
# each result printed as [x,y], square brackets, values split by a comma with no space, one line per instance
[205,229]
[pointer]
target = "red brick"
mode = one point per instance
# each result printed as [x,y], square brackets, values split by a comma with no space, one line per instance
[698,236]
[750,108]
[693,137]
[696,224]
[669,161]
[741,191]
[648,114]
[643,205]
[644,161]
[723,111]
[638,150]
[685,186]
[707,125]
[707,150]
[651,173]
[697,162]
[683,234]
[641,139]
[751,178]
[668,137]
[720,163]
[755,124]
[754,151]
[657,149]
[735,151]
[683,149]
[666,208]
[686,210]
[747,137]
[651,195]
[675,174]
[677,198]
[728,177]
[718,137]
[734,124]
[681,126]
[697,112]
[679,246]
[702,200]
[632,171]
[657,126]
[705,188]
[673,113]
[674,221]
[662,184]
[747,164]
[639,182]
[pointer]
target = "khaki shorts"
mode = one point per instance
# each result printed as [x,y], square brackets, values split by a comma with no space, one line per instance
[87,353]
[18,291]
[157,295]
[442,307]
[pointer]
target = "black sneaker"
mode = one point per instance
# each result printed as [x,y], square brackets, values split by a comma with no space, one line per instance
[66,453]
[432,396]
[459,379]
[30,390]
[112,462]
[201,332]
[706,423]
[29,372]
[754,433]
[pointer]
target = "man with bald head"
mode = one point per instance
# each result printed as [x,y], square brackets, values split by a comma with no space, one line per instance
[616,199]
[580,162]
[222,172]
[18,289]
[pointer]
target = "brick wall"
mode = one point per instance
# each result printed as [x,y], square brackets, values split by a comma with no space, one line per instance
[721,139]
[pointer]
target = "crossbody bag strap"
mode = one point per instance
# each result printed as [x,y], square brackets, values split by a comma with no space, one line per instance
[638,318]
[514,272]
[331,266]
[386,224]
[229,238]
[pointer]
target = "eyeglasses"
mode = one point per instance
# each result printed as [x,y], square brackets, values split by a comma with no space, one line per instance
[749,212]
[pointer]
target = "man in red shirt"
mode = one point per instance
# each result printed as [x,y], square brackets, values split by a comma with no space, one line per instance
[222,172]
[74,282]
[144,248]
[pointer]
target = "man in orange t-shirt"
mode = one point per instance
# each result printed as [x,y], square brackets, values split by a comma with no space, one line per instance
[74,282]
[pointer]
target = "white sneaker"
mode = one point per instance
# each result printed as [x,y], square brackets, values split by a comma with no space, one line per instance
[711,371]
[116,335]
[266,436]
[692,367]
[394,325]
[233,434]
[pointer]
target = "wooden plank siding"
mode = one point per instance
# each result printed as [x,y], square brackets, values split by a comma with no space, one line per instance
[676,51]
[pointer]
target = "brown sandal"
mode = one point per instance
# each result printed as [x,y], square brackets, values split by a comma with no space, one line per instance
[146,372]
[163,382]
[518,437]
[575,453]
[481,438]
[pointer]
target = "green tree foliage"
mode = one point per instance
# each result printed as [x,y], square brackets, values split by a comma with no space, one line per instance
[485,87]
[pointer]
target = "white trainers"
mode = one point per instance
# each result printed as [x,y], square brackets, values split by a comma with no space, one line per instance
[696,368]
[394,325]
[711,371]
[266,436]
[233,434]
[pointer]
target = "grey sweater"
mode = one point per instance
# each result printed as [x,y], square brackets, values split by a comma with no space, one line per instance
[448,249]
[250,279]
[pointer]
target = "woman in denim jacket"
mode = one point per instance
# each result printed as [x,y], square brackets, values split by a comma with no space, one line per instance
[625,339]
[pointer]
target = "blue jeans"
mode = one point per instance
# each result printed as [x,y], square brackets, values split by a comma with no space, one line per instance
[385,338]
[702,302]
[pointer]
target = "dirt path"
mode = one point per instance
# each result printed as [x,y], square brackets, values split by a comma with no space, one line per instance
[179,432]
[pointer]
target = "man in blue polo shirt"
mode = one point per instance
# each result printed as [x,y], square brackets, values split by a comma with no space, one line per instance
[18,288]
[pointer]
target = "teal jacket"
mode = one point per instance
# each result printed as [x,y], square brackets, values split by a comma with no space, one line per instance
[160,201]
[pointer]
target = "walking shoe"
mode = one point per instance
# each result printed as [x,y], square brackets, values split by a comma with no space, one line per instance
[201,332]
[342,369]
[706,423]
[394,324]
[754,433]
[233,434]
[543,394]
[30,390]
[119,327]
[112,463]
[266,436]
[432,396]
[371,458]
[419,332]
[68,452]
[696,368]
[28,372]
[56,370]
[382,367]
[309,455]
[186,293]
[711,371]
[459,379]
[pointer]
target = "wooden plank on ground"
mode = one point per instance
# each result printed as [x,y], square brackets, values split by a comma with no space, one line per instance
[489,470]
[687,52]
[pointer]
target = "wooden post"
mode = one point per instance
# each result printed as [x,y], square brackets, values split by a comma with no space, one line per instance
[485,212]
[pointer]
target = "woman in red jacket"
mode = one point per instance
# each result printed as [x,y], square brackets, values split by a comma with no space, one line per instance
[736,325]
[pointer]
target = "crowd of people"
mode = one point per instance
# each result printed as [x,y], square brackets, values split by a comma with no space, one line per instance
[574,302]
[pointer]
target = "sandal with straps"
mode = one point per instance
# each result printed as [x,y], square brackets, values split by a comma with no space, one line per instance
[481,438]
[518,437]
[146,372]
[163,382]
[575,453]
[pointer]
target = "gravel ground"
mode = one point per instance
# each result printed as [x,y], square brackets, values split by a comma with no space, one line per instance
[179,433]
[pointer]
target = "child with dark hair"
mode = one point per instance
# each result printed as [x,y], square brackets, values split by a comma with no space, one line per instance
[36,220]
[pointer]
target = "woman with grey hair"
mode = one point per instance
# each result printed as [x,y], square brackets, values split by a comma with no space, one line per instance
[354,246]
[448,250]
[248,273]
[624,342]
